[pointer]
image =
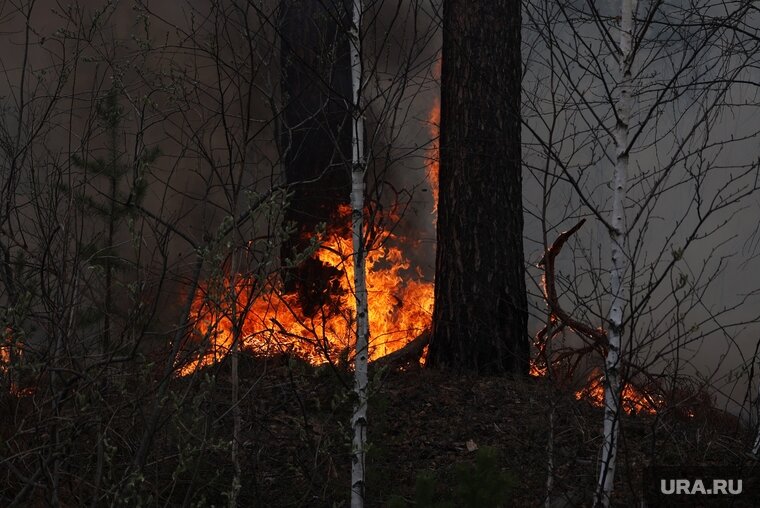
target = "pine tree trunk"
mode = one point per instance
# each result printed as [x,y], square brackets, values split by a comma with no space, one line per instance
[480,316]
[315,130]
[618,259]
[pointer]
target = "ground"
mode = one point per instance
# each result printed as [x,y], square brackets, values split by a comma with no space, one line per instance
[434,438]
[432,424]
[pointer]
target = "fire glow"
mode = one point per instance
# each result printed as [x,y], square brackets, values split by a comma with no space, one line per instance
[634,400]
[271,322]
[433,153]
[268,321]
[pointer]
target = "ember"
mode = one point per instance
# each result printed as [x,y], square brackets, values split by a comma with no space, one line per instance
[536,369]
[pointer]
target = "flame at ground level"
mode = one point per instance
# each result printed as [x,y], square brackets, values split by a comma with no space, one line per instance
[633,399]
[270,322]
[537,370]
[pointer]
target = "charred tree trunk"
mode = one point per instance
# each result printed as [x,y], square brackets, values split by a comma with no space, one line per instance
[316,131]
[480,316]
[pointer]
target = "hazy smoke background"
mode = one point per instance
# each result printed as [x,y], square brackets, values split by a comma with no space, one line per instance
[173,102]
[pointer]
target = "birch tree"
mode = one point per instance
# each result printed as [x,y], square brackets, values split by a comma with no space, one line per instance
[204,85]
[626,106]
[618,256]
[359,418]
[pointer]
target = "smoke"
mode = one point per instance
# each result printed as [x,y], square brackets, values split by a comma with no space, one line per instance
[691,190]
[173,93]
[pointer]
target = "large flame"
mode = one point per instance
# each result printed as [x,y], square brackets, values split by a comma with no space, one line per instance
[269,322]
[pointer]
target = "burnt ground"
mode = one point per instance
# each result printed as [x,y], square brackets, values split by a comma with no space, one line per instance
[297,437]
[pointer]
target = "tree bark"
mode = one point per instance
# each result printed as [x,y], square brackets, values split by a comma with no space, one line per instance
[315,132]
[618,258]
[359,417]
[480,316]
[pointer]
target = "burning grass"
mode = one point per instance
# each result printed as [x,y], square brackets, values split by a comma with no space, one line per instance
[271,321]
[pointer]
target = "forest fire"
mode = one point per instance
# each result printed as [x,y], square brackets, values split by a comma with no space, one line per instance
[271,321]
[9,348]
[5,351]
[634,400]
[536,370]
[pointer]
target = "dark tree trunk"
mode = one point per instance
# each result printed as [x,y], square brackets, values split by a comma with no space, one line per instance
[316,131]
[480,316]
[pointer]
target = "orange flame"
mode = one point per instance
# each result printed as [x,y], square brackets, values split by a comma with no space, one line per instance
[634,400]
[269,322]
[537,369]
[434,151]
[433,156]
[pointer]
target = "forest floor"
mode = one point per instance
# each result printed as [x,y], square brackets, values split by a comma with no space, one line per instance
[427,430]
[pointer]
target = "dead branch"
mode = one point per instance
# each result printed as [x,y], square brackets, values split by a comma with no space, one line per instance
[598,336]
[410,353]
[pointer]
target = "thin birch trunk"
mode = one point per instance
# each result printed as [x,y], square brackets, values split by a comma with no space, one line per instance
[236,412]
[359,418]
[618,258]
[237,327]
[236,420]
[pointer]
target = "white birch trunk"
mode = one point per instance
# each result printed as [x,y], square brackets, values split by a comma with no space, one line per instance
[237,323]
[359,418]
[236,415]
[618,259]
